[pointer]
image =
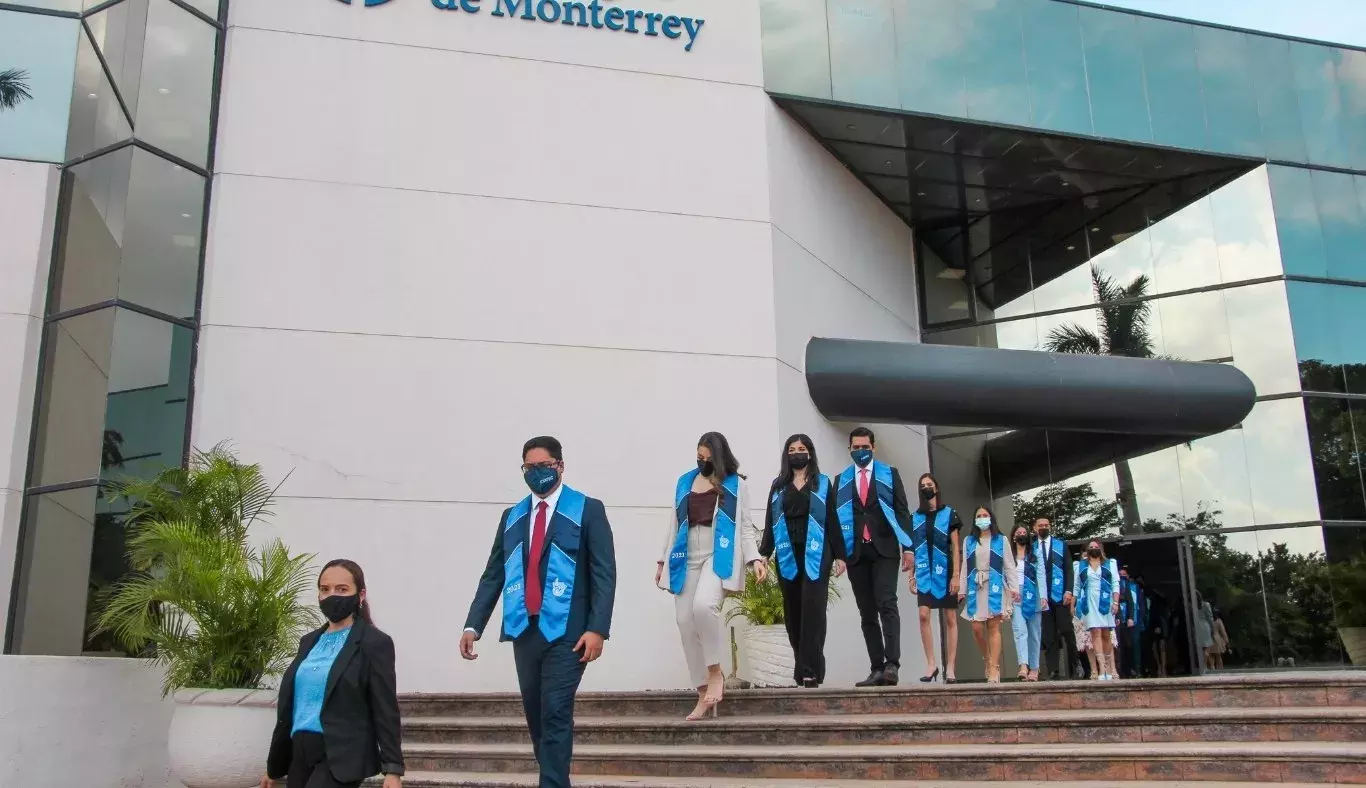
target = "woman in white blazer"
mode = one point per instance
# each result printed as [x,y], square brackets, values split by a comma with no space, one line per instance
[710,540]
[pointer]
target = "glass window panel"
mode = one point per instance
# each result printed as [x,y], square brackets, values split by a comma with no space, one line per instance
[1157,489]
[1185,255]
[1351,75]
[53,5]
[37,67]
[1261,336]
[1057,67]
[1055,330]
[1297,222]
[863,52]
[132,233]
[1009,335]
[1173,81]
[1299,594]
[1245,228]
[1348,311]
[115,384]
[1334,442]
[97,119]
[1344,226]
[796,47]
[1130,258]
[1214,479]
[996,86]
[176,88]
[1317,343]
[1229,602]
[1229,96]
[1320,104]
[931,57]
[1279,468]
[1195,327]
[1062,278]
[947,295]
[54,567]
[1114,74]
[209,7]
[1277,104]
[118,33]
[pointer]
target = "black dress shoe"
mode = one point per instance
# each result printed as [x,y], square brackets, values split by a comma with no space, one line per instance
[874,680]
[810,684]
[889,676]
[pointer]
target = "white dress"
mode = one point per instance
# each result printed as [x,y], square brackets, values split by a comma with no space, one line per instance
[1098,612]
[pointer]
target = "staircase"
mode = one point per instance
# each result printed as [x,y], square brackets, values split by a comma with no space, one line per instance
[1269,728]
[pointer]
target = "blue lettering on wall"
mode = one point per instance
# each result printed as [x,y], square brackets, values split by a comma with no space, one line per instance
[580,14]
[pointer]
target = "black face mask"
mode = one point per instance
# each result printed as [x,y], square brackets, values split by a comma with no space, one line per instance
[1093,552]
[1042,533]
[799,461]
[1022,540]
[927,493]
[706,467]
[339,608]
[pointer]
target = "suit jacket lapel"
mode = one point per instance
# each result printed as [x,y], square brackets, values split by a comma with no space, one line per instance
[348,651]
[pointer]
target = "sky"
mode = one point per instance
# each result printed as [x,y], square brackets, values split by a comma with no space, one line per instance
[1337,21]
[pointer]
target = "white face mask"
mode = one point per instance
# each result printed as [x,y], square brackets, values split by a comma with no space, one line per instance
[983,522]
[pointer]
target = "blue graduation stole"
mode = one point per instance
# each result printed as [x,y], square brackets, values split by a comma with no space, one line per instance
[1056,569]
[1106,584]
[562,541]
[815,533]
[932,552]
[996,584]
[723,531]
[1124,601]
[881,478]
[1029,589]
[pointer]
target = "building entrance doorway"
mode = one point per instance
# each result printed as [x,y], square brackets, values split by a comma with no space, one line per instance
[1160,641]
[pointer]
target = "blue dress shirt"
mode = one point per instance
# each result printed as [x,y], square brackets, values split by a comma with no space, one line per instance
[310,682]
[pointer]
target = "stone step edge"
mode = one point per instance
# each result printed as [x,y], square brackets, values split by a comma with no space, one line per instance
[1258,751]
[531,780]
[1015,719]
[1349,679]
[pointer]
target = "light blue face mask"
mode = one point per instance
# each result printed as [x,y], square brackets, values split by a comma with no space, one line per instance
[983,523]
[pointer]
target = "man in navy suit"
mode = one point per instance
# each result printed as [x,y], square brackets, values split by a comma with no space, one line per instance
[555,569]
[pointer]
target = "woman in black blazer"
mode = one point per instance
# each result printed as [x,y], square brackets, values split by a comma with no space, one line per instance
[337,722]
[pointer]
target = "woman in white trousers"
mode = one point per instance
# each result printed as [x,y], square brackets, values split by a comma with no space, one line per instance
[710,540]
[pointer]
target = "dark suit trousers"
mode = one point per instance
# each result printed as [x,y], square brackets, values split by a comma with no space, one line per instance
[1131,651]
[874,579]
[549,675]
[1057,626]
[308,767]
[804,603]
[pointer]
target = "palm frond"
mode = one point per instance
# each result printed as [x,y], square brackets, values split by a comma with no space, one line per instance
[1072,338]
[14,88]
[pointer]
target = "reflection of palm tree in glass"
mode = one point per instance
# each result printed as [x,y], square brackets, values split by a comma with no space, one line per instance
[1123,332]
[13,88]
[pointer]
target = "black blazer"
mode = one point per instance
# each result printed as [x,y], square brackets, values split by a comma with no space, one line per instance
[595,577]
[884,539]
[360,709]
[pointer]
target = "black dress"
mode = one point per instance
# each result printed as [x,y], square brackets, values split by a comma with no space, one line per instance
[804,599]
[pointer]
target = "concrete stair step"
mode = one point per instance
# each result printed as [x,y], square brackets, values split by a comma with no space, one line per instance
[1328,724]
[530,780]
[1306,690]
[1230,761]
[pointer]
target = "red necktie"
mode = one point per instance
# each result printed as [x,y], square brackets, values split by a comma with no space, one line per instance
[533,568]
[863,497]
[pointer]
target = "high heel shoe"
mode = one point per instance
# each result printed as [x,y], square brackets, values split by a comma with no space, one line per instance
[930,678]
[707,711]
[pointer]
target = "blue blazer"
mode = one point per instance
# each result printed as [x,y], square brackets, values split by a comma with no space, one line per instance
[595,578]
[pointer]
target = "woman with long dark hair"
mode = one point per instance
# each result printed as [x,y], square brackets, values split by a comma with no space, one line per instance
[989,584]
[802,528]
[1026,621]
[710,541]
[1096,584]
[935,531]
[337,718]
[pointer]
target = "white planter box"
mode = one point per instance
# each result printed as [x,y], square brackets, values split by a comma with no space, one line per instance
[769,661]
[220,738]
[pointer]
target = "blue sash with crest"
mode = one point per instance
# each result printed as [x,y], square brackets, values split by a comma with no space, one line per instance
[1055,569]
[1029,588]
[931,545]
[562,542]
[1083,583]
[723,531]
[996,585]
[815,533]
[881,478]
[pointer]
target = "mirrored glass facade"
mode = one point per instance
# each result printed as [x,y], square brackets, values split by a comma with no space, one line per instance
[1082,179]
[136,108]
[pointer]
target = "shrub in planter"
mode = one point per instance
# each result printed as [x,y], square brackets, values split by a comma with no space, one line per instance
[218,614]
[768,654]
